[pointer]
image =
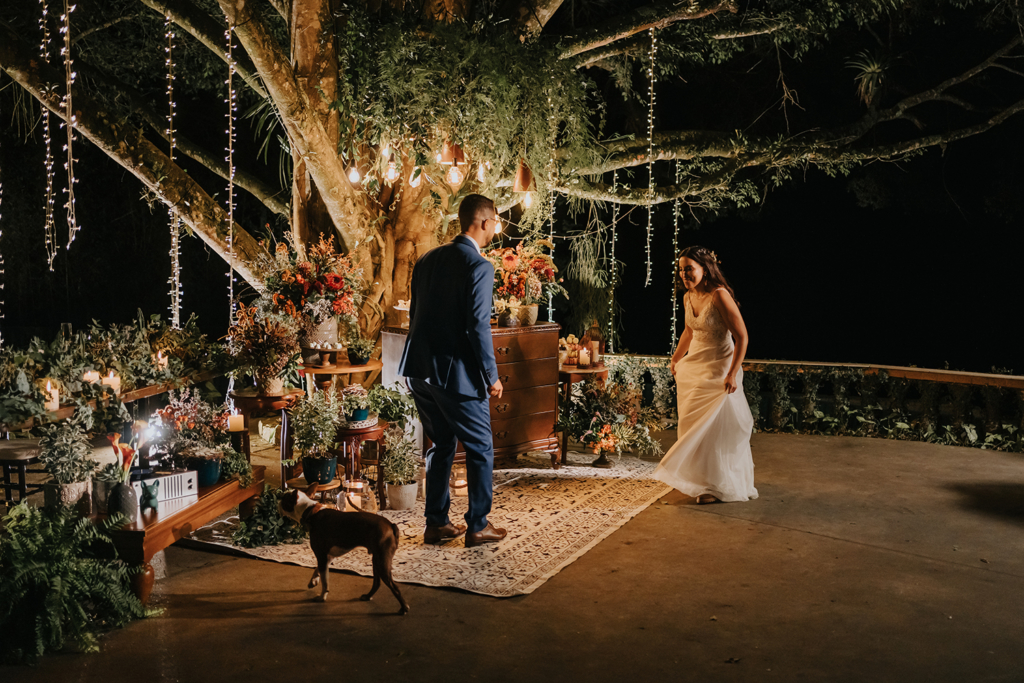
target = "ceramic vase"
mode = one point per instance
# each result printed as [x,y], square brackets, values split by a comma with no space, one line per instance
[357,415]
[528,314]
[401,496]
[354,359]
[77,496]
[124,501]
[319,470]
[509,318]
[324,333]
[207,470]
[270,386]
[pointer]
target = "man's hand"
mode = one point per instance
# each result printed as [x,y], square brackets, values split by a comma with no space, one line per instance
[496,389]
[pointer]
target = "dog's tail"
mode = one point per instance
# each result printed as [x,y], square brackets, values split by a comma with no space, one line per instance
[394,527]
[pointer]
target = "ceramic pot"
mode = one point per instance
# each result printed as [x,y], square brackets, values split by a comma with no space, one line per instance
[324,333]
[310,356]
[207,470]
[358,415]
[101,494]
[77,495]
[602,461]
[319,470]
[528,314]
[509,318]
[273,386]
[124,501]
[353,359]
[401,496]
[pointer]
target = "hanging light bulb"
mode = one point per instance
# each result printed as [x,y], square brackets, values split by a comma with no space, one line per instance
[392,173]
[481,173]
[385,151]
[498,227]
[528,200]
[353,175]
[455,175]
[415,177]
[438,157]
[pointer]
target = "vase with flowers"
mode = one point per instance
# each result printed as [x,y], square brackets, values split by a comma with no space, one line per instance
[122,498]
[315,286]
[609,418]
[264,345]
[524,276]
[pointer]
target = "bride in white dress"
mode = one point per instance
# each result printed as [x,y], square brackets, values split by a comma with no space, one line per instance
[711,460]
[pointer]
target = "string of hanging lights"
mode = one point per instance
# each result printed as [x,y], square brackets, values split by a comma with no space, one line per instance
[232,103]
[615,269]
[553,128]
[1,254]
[175,221]
[69,120]
[49,227]
[675,250]
[650,154]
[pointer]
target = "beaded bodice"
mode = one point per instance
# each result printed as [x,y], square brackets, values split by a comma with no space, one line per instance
[708,327]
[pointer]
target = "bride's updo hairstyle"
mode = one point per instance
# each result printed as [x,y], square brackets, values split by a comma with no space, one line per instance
[708,260]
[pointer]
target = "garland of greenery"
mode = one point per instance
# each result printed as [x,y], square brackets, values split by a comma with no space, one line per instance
[54,589]
[266,525]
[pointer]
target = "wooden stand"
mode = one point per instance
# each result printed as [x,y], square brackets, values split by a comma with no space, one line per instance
[567,376]
[249,403]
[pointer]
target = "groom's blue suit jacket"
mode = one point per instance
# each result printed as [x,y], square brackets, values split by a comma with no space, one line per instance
[449,343]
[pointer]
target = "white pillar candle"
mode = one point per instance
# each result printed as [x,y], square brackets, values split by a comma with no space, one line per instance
[91,376]
[236,423]
[584,357]
[114,382]
[53,398]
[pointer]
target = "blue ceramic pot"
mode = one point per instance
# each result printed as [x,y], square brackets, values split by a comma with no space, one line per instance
[319,470]
[207,470]
[358,415]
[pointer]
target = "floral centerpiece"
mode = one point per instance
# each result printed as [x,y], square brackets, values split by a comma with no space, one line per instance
[264,345]
[523,276]
[314,286]
[609,418]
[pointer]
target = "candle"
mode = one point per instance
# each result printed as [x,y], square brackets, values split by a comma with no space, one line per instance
[91,376]
[595,352]
[236,423]
[461,487]
[54,398]
[114,382]
[584,358]
[161,360]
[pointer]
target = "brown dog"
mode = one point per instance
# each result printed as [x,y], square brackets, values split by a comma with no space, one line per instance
[333,533]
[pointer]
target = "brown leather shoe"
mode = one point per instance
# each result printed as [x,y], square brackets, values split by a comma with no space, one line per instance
[489,534]
[437,534]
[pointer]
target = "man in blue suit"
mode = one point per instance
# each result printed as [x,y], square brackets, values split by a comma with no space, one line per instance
[449,360]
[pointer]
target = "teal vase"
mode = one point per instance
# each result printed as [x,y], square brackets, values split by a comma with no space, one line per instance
[358,415]
[319,470]
[207,470]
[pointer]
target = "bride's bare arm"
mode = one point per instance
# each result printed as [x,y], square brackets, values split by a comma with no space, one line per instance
[682,347]
[730,313]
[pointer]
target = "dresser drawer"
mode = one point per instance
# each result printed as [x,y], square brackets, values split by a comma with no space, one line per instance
[529,373]
[527,345]
[523,429]
[524,401]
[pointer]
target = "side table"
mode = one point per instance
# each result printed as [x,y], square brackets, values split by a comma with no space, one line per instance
[351,440]
[249,403]
[567,376]
[344,369]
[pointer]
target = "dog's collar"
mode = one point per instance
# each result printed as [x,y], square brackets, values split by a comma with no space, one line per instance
[309,512]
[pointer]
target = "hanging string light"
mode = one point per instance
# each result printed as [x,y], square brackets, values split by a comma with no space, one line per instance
[1,255]
[49,226]
[675,250]
[232,103]
[552,171]
[69,119]
[650,155]
[615,267]
[175,220]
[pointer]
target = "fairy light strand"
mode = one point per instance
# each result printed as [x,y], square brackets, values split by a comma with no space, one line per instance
[2,267]
[69,120]
[49,227]
[650,155]
[232,103]
[553,128]
[675,250]
[615,267]
[175,221]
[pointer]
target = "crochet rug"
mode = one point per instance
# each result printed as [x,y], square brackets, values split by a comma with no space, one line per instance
[552,517]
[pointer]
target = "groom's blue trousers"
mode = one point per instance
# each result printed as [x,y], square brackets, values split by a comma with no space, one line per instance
[448,418]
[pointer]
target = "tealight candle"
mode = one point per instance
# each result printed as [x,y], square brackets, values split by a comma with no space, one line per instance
[54,398]
[236,423]
[114,382]
[91,376]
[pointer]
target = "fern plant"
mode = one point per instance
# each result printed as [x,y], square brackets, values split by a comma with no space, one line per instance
[54,589]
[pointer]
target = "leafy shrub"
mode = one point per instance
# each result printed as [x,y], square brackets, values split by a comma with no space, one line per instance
[65,449]
[267,526]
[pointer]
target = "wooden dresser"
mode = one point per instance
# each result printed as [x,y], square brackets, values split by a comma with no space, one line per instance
[523,419]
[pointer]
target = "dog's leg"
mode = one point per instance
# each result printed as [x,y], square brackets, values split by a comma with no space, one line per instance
[376,582]
[382,568]
[325,566]
[315,579]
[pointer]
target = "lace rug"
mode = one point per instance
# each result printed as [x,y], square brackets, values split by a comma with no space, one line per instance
[552,517]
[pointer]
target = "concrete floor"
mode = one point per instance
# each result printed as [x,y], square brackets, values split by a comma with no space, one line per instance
[862,560]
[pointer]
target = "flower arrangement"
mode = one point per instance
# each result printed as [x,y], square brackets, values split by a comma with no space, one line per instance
[359,347]
[524,274]
[191,427]
[264,344]
[126,452]
[609,418]
[311,287]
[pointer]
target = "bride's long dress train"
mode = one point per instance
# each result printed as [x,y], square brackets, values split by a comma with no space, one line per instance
[712,454]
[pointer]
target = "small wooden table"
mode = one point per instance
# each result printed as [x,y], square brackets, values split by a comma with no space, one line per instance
[249,403]
[344,369]
[569,375]
[351,440]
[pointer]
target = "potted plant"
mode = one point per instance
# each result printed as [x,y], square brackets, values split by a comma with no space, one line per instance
[359,350]
[399,468]
[314,286]
[609,418]
[355,402]
[524,276]
[265,344]
[122,498]
[103,481]
[393,405]
[65,451]
[313,422]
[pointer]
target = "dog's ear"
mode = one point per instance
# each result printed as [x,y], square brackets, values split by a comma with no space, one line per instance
[312,489]
[288,500]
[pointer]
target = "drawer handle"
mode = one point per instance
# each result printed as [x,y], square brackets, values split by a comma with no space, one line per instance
[503,378]
[504,350]
[501,408]
[501,435]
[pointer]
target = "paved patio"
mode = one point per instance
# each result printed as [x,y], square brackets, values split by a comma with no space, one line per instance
[862,560]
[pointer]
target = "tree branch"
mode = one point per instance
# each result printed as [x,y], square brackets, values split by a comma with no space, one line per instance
[530,16]
[207,31]
[93,29]
[657,15]
[305,130]
[129,148]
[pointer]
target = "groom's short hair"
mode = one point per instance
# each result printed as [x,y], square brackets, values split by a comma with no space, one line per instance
[472,208]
